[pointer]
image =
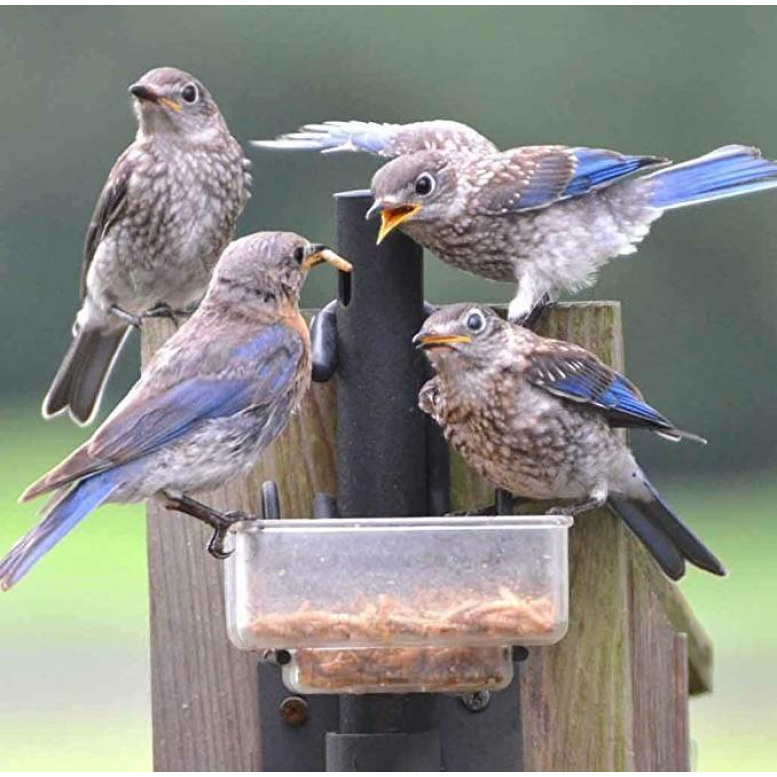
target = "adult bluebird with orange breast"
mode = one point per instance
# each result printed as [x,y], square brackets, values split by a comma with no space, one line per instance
[537,417]
[546,217]
[206,407]
[166,213]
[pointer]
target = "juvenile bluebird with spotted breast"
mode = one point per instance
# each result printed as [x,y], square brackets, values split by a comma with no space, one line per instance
[166,213]
[547,217]
[537,417]
[206,407]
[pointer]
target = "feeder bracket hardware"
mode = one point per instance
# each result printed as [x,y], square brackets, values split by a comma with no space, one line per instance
[323,332]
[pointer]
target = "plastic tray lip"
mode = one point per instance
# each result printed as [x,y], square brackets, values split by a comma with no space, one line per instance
[421,522]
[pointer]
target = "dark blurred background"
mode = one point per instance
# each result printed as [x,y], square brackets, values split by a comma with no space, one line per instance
[698,298]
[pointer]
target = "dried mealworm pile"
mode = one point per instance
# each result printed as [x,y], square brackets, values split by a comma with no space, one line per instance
[426,618]
[452,669]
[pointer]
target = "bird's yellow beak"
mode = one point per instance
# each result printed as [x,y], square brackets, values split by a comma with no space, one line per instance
[168,103]
[440,341]
[319,254]
[391,218]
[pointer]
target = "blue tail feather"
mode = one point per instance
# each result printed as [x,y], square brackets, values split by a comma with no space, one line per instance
[729,171]
[62,515]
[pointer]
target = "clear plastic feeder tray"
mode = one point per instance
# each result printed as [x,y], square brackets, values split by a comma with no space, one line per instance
[398,582]
[399,670]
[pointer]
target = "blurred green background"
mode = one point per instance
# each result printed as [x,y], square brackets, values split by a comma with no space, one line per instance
[698,298]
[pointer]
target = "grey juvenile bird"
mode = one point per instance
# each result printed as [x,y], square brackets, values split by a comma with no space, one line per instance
[207,406]
[536,417]
[547,217]
[166,213]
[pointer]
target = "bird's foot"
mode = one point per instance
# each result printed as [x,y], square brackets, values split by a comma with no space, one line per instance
[480,511]
[163,310]
[218,521]
[582,507]
[538,314]
[127,318]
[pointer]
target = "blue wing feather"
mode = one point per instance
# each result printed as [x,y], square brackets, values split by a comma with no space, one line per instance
[152,422]
[249,374]
[535,177]
[174,413]
[597,168]
[620,396]
[577,375]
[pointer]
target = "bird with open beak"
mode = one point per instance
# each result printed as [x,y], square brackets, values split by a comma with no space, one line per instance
[166,213]
[544,217]
[537,417]
[206,407]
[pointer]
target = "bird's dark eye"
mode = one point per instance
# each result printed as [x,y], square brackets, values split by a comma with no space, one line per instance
[476,321]
[299,254]
[424,185]
[189,93]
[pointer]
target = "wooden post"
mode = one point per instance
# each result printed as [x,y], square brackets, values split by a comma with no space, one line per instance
[612,695]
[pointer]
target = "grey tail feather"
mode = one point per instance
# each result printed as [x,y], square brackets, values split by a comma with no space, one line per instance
[667,538]
[81,377]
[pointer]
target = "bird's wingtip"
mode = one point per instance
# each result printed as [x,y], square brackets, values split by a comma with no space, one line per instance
[26,495]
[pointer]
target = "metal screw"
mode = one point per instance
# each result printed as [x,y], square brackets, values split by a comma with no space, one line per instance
[476,702]
[294,711]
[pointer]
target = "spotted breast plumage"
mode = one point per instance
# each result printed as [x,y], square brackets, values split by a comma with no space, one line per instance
[167,211]
[536,417]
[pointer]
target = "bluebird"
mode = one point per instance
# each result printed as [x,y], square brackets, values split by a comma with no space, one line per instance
[546,217]
[205,409]
[537,417]
[167,211]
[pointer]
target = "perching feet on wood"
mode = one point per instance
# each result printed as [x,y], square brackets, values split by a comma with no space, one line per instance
[219,522]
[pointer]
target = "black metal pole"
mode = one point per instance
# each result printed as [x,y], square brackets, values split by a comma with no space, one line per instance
[392,461]
[381,439]
[382,458]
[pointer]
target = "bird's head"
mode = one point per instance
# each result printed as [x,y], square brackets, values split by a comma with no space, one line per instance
[462,336]
[267,269]
[419,187]
[168,100]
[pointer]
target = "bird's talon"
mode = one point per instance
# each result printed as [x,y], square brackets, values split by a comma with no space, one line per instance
[235,516]
[537,315]
[164,311]
[127,318]
[216,545]
[479,512]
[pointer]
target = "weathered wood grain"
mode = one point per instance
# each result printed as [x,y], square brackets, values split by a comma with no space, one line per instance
[682,728]
[659,669]
[577,695]
[585,702]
